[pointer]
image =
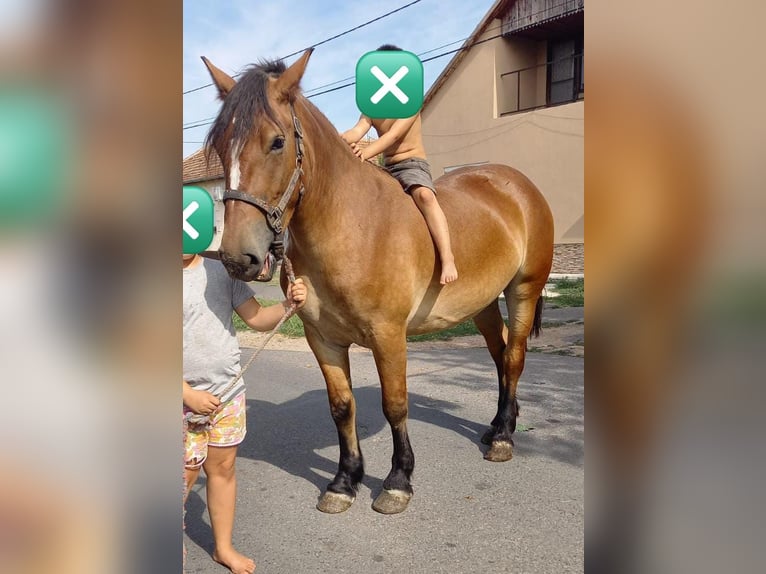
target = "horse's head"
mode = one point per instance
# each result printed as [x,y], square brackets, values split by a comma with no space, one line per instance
[258,139]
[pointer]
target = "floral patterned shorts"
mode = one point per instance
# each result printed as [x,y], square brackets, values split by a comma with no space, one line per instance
[227,428]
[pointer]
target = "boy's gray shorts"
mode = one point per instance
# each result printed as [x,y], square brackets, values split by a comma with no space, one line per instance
[411,173]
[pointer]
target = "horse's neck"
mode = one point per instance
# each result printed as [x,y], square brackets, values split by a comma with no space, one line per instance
[327,173]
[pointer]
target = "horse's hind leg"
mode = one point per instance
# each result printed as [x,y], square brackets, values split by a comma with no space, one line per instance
[333,361]
[492,327]
[523,314]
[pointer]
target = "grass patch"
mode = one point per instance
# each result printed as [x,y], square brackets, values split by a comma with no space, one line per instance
[461,330]
[293,327]
[571,293]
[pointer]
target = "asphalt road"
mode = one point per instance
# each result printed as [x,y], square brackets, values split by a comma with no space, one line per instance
[467,516]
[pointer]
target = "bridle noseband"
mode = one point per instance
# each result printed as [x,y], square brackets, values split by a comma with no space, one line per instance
[274,214]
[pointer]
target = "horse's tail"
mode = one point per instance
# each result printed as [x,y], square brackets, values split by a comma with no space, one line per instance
[537,324]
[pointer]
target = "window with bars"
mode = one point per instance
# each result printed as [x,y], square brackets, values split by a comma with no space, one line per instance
[565,71]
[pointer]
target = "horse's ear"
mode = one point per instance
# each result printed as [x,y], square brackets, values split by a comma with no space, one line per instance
[287,84]
[221,79]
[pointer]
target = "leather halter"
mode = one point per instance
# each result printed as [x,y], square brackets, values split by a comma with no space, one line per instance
[274,214]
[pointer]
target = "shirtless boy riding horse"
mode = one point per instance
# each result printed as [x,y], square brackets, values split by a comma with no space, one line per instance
[401,143]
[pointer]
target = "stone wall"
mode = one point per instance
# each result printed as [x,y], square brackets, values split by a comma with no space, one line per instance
[568,258]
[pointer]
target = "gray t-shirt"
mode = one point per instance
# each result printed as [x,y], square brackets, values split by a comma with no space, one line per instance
[211,350]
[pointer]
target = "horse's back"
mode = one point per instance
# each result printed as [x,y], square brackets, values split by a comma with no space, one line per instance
[495,184]
[475,197]
[501,228]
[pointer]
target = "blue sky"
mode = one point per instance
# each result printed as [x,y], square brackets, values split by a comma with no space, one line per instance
[233,34]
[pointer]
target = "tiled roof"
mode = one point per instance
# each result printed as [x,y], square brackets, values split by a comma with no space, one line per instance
[196,168]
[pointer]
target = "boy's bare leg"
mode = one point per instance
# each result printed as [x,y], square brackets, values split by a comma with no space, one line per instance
[221,501]
[426,201]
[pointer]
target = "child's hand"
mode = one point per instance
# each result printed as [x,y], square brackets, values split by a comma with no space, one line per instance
[201,402]
[296,293]
[357,151]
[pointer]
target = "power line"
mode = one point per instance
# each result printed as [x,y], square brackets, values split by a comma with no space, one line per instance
[439,48]
[198,124]
[323,41]
[308,94]
[207,121]
[349,84]
[353,29]
[201,123]
[421,54]
[189,124]
[423,61]
[309,90]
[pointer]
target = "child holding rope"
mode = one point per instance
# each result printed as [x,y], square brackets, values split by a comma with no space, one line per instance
[211,363]
[401,143]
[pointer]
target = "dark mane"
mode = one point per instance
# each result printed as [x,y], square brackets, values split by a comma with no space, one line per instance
[247,101]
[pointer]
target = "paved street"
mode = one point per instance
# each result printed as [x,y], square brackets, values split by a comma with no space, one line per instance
[468,515]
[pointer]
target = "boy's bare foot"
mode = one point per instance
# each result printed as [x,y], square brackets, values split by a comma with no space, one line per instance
[234,561]
[449,273]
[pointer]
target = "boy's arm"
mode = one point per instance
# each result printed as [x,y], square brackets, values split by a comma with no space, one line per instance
[262,318]
[200,402]
[358,131]
[398,130]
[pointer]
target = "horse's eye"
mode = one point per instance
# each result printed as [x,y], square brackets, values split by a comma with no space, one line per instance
[278,143]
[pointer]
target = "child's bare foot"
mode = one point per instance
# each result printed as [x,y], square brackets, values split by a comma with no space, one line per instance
[234,561]
[449,272]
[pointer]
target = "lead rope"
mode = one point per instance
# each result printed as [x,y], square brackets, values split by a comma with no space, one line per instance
[197,420]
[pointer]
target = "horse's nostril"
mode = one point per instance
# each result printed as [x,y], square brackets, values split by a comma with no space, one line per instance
[251,259]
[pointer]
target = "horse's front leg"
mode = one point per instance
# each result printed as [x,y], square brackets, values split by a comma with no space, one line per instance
[333,361]
[390,354]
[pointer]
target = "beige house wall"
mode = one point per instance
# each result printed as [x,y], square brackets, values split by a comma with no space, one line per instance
[461,126]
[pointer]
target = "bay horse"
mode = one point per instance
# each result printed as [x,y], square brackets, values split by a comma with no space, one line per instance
[366,255]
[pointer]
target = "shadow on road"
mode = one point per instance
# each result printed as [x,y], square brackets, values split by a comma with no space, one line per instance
[289,435]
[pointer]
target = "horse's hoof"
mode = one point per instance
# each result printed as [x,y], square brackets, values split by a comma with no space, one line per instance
[392,501]
[487,438]
[500,451]
[334,502]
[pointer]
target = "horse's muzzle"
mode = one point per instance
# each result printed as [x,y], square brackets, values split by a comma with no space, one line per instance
[245,267]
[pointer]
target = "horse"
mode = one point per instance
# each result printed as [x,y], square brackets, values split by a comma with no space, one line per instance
[364,251]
